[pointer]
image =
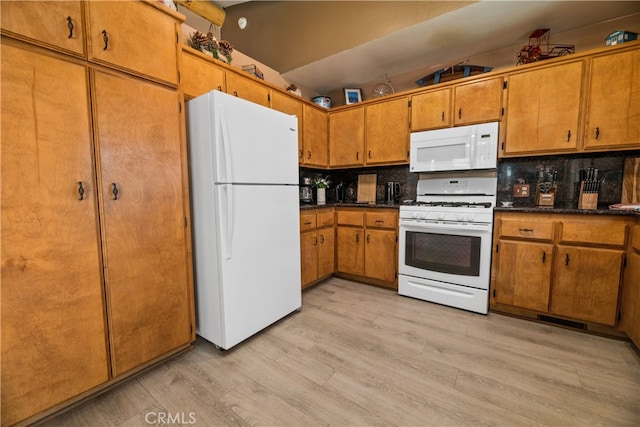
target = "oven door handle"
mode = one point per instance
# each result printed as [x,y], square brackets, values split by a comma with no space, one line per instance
[444,227]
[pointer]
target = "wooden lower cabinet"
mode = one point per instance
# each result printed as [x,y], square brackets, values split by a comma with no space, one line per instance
[569,266]
[630,300]
[317,245]
[367,245]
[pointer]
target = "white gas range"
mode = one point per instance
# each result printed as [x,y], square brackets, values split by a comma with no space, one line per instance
[445,239]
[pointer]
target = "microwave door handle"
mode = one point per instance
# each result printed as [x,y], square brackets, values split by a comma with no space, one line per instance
[472,151]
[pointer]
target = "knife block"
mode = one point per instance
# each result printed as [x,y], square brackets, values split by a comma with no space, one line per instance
[546,199]
[587,200]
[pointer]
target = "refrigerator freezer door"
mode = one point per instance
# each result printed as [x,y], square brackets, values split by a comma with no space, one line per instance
[246,142]
[258,262]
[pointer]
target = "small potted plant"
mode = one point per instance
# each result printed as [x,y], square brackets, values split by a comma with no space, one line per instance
[321,185]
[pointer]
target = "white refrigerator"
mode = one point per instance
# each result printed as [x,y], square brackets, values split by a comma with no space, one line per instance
[245,209]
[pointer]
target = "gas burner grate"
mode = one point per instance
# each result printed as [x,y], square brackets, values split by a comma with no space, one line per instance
[446,204]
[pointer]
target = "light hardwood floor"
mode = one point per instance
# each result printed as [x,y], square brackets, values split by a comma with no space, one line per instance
[357,355]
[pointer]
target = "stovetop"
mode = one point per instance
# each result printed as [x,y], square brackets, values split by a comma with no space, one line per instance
[449,204]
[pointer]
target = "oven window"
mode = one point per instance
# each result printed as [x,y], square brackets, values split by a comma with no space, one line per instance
[444,253]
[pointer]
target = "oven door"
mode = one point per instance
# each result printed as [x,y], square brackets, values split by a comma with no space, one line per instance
[451,253]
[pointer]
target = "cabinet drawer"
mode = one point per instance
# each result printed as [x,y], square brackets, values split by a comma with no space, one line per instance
[307,220]
[350,217]
[597,232]
[635,238]
[383,219]
[526,229]
[324,218]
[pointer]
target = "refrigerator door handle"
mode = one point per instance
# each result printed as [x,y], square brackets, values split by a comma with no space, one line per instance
[226,147]
[228,190]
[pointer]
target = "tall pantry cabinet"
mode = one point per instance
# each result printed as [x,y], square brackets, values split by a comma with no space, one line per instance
[96,277]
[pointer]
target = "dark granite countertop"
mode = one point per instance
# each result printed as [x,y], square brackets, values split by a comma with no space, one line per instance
[569,210]
[352,205]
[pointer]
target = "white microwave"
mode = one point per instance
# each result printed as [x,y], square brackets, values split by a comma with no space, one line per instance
[453,149]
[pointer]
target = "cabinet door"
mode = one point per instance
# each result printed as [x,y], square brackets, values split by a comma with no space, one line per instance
[350,249]
[613,118]
[309,257]
[52,317]
[387,132]
[292,106]
[315,137]
[586,284]
[478,102]
[523,274]
[346,137]
[431,110]
[134,36]
[54,24]
[326,252]
[630,301]
[246,88]
[543,107]
[381,255]
[144,242]
[200,76]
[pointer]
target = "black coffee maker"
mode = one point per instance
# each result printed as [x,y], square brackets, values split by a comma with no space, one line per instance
[392,192]
[340,192]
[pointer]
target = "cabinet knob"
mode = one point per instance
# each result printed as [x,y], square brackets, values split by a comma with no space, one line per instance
[566,259]
[357,237]
[315,241]
[105,39]
[368,238]
[308,155]
[443,116]
[544,256]
[235,93]
[369,153]
[460,113]
[70,26]
[597,133]
[114,190]
[569,135]
[80,191]
[357,155]
[322,238]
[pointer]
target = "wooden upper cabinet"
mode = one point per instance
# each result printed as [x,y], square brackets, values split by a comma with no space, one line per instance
[53,24]
[387,132]
[289,105]
[477,102]
[346,137]
[543,110]
[315,150]
[247,88]
[431,110]
[613,107]
[200,75]
[134,37]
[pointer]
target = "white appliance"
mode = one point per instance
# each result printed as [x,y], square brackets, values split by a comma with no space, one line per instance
[458,148]
[445,240]
[245,207]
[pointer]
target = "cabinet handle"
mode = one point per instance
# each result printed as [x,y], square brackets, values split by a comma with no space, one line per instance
[80,190]
[460,113]
[307,223]
[368,237]
[369,153]
[308,155]
[114,190]
[443,116]
[526,230]
[220,88]
[357,155]
[544,256]
[301,154]
[322,238]
[597,133]
[70,26]
[566,259]
[357,237]
[569,135]
[315,241]
[379,221]
[235,93]
[105,38]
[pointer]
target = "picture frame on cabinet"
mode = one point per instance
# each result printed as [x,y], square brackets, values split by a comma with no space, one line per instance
[352,96]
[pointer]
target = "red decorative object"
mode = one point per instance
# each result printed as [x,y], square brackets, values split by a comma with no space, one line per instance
[539,48]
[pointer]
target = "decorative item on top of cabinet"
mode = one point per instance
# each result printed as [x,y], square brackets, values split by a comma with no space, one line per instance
[613,106]
[58,25]
[543,110]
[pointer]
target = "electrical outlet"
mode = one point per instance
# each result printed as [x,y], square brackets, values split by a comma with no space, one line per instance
[521,190]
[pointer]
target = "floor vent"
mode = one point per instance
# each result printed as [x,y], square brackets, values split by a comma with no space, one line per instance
[562,322]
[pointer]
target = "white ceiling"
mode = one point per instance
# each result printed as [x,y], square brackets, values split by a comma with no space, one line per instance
[488,31]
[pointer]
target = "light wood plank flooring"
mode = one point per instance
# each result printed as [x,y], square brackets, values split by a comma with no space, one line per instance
[357,355]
